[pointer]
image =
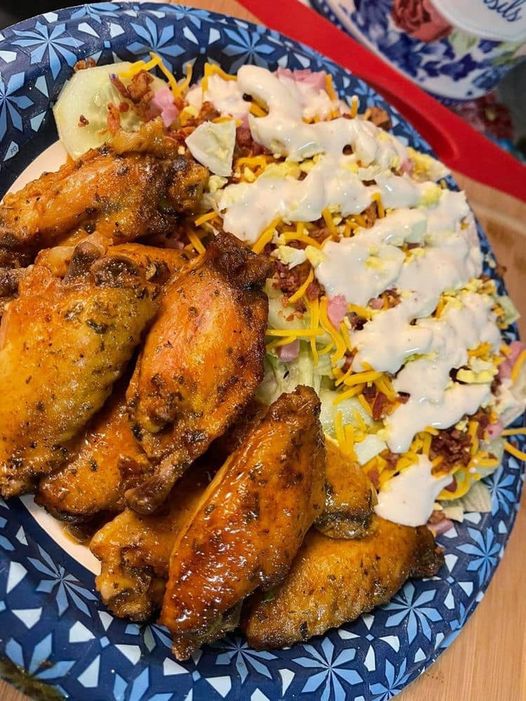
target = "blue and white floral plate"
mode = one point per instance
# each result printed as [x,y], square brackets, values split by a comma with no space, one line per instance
[52,624]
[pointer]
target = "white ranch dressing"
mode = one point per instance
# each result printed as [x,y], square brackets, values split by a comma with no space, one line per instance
[224,95]
[408,498]
[434,400]
[284,132]
[250,207]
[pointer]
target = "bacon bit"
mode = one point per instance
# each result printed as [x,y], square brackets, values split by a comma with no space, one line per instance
[113,118]
[357,322]
[452,486]
[119,86]
[314,291]
[380,404]
[124,107]
[453,445]
[380,118]
[289,352]
[245,144]
[84,63]
[83,122]
[438,523]
[403,397]
[374,476]
[140,87]
[291,279]
[370,215]
[376,303]
[336,310]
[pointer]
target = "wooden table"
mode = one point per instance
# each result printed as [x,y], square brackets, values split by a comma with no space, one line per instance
[487,662]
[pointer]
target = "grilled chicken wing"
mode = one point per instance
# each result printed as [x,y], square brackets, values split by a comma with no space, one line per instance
[134,550]
[121,197]
[333,581]
[249,523]
[63,343]
[349,497]
[201,362]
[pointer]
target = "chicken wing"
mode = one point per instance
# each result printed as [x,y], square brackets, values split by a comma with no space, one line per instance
[334,581]
[121,197]
[349,497]
[63,343]
[135,550]
[106,458]
[201,362]
[249,523]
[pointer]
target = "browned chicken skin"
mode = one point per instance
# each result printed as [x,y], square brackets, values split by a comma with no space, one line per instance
[349,497]
[94,482]
[134,550]
[249,523]
[120,196]
[107,456]
[334,581]
[201,362]
[63,343]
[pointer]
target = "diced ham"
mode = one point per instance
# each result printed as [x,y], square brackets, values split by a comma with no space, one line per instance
[495,429]
[506,367]
[163,104]
[289,352]
[336,310]
[315,79]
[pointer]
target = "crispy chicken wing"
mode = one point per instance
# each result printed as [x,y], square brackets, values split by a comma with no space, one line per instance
[63,343]
[349,497]
[249,523]
[134,550]
[333,581]
[121,197]
[201,362]
[106,458]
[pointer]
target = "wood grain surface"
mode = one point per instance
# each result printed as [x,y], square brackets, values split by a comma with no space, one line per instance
[487,662]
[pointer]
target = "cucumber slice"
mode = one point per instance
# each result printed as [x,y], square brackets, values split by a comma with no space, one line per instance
[87,94]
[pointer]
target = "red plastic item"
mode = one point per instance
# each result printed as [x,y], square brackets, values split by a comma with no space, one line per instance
[455,142]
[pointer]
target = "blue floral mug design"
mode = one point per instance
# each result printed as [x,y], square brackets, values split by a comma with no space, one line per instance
[456,49]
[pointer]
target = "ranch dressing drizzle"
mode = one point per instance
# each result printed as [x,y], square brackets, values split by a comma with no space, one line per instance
[435,400]
[334,180]
[284,132]
[408,498]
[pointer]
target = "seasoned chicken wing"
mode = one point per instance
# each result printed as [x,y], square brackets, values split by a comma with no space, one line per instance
[249,523]
[201,362]
[333,581]
[63,343]
[134,550]
[120,197]
[349,497]
[106,458]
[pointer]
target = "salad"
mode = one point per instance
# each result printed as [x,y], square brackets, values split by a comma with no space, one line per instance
[378,298]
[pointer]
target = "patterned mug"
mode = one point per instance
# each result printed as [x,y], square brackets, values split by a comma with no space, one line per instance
[456,49]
